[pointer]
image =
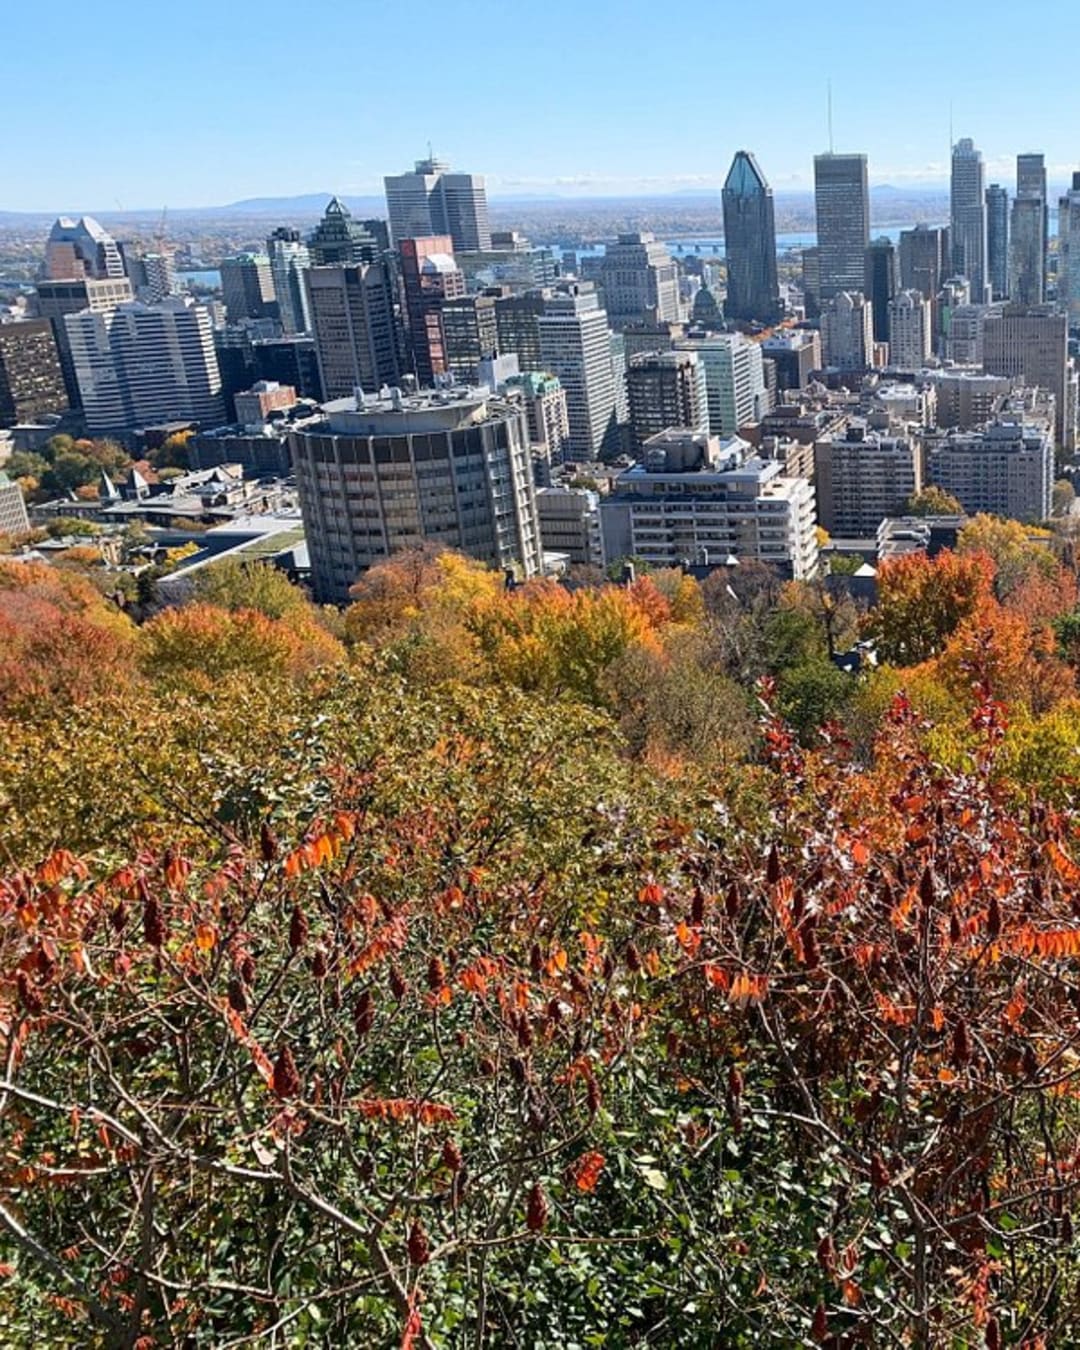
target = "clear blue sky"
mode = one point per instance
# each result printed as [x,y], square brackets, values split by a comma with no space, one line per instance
[206,103]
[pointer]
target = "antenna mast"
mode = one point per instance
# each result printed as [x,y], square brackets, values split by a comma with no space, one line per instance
[829,87]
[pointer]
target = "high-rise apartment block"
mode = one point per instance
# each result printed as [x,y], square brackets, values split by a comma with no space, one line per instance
[575,345]
[842,204]
[863,475]
[697,499]
[666,389]
[289,259]
[753,294]
[910,331]
[734,380]
[382,474]
[247,287]
[356,320]
[847,332]
[640,281]
[1031,343]
[434,201]
[143,364]
[968,217]
[430,276]
[997,240]
[1004,469]
[31,380]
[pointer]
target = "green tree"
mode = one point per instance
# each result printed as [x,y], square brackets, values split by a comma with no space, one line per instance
[232,584]
[26,464]
[60,527]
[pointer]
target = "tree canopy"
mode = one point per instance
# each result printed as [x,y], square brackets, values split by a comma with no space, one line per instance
[540,966]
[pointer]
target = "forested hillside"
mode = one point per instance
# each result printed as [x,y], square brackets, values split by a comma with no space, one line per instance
[542,967]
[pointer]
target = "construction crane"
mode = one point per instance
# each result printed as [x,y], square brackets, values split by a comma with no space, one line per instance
[159,237]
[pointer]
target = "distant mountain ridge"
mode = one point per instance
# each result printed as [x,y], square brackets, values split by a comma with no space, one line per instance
[313,204]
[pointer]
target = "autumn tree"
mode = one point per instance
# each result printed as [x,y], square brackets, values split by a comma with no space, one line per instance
[233,584]
[198,644]
[921,601]
[933,501]
[1018,552]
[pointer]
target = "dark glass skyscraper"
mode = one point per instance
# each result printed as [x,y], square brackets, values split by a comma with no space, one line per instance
[750,244]
[881,283]
[925,259]
[842,206]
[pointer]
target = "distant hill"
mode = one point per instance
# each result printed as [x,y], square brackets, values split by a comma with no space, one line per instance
[307,204]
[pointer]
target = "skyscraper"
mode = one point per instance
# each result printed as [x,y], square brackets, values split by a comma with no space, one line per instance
[925,260]
[338,238]
[734,380]
[640,281]
[430,276]
[81,248]
[750,243]
[247,287]
[997,240]
[575,345]
[1031,187]
[289,258]
[1027,255]
[142,364]
[1068,285]
[471,333]
[842,205]
[968,217]
[517,319]
[357,325]
[55,299]
[434,201]
[882,283]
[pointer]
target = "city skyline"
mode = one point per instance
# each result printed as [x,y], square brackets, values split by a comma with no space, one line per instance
[214,139]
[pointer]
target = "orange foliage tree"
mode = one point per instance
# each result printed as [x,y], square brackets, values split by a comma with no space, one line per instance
[200,644]
[61,643]
[921,602]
